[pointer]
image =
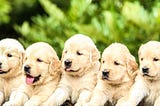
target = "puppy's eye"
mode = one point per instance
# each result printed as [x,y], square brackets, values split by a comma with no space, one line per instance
[65,51]
[116,63]
[155,59]
[103,61]
[39,60]
[9,55]
[78,53]
[141,59]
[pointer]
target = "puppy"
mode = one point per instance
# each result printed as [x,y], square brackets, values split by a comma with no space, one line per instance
[11,60]
[80,61]
[42,71]
[116,75]
[147,84]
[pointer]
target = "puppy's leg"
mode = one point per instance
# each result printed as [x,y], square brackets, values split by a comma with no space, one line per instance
[58,97]
[157,102]
[16,99]
[138,91]
[83,97]
[1,98]
[99,98]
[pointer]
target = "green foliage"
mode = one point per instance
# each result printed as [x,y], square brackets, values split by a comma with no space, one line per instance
[5,9]
[131,22]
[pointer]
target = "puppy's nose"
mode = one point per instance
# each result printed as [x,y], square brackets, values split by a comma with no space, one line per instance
[105,73]
[145,70]
[68,63]
[27,68]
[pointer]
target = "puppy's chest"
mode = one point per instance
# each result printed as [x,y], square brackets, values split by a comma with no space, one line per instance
[154,93]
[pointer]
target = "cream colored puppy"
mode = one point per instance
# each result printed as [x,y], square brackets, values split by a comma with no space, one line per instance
[11,60]
[116,75]
[147,85]
[42,74]
[80,61]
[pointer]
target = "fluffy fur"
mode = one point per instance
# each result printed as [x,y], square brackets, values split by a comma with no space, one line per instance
[42,71]
[11,60]
[147,85]
[79,76]
[116,75]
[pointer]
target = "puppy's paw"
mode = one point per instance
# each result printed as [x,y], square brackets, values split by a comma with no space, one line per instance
[125,104]
[31,103]
[10,103]
[49,103]
[89,104]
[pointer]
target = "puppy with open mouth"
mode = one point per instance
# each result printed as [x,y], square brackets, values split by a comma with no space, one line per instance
[80,61]
[116,75]
[147,84]
[42,70]
[11,61]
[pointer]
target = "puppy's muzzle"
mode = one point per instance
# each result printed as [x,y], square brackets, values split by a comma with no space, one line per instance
[27,69]
[105,74]
[145,70]
[67,63]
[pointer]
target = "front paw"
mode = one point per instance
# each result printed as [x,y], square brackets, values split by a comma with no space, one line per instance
[125,104]
[31,103]
[10,103]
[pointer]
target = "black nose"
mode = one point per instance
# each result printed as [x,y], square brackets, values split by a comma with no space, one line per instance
[27,68]
[68,63]
[145,70]
[105,73]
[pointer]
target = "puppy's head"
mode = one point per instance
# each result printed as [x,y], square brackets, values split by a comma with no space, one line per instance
[79,54]
[41,61]
[11,57]
[117,64]
[149,58]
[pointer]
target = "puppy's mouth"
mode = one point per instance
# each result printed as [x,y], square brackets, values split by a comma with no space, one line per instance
[147,75]
[71,70]
[3,72]
[105,78]
[32,79]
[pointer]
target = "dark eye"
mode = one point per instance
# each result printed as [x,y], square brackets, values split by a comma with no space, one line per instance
[65,51]
[78,53]
[116,63]
[141,59]
[39,60]
[9,55]
[103,61]
[155,59]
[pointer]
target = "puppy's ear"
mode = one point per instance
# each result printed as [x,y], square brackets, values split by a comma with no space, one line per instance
[22,58]
[132,66]
[94,55]
[54,66]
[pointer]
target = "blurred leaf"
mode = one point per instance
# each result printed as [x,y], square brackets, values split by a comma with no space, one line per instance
[5,9]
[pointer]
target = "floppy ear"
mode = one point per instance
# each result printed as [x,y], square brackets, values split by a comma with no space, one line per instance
[132,66]
[55,66]
[95,55]
[22,58]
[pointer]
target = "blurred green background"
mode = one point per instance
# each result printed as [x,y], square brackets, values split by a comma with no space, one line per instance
[131,22]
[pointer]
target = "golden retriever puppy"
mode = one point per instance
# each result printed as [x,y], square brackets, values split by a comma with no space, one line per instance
[42,70]
[80,61]
[11,60]
[147,84]
[116,75]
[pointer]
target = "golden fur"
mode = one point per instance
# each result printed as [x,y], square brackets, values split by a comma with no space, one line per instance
[116,75]
[147,84]
[11,60]
[79,79]
[41,79]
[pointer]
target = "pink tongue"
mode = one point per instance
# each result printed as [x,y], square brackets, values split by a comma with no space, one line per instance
[29,80]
